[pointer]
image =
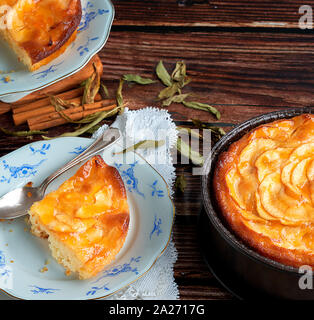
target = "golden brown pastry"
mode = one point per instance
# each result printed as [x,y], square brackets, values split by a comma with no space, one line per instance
[264,185]
[86,220]
[40,30]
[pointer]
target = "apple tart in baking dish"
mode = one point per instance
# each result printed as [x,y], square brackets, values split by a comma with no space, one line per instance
[86,219]
[264,185]
[39,30]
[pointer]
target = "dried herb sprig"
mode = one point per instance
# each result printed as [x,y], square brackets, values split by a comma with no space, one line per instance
[179,74]
[180,183]
[169,92]
[202,106]
[174,84]
[103,90]
[137,79]
[99,116]
[163,74]
[93,129]
[22,133]
[217,132]
[187,151]
[189,131]
[145,144]
[91,87]
[179,98]
[119,96]
[61,104]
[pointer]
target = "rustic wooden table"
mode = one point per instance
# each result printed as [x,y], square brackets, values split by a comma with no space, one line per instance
[246,57]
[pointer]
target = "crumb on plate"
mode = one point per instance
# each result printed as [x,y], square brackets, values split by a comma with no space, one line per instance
[43,269]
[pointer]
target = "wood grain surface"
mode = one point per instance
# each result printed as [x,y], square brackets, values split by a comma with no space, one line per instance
[209,13]
[231,70]
[244,72]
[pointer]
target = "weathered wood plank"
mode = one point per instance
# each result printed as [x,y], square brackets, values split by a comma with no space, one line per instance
[191,273]
[242,73]
[214,13]
[202,291]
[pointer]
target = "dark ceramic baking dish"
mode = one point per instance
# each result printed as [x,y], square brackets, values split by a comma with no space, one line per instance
[263,276]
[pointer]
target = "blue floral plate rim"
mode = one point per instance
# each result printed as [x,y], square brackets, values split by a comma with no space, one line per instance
[141,264]
[83,63]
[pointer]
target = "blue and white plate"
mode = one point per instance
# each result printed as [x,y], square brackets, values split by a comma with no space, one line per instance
[23,256]
[93,33]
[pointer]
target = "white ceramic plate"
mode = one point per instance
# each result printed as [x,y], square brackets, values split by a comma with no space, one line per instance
[93,33]
[23,255]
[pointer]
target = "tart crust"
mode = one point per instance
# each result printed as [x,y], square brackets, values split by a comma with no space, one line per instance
[287,237]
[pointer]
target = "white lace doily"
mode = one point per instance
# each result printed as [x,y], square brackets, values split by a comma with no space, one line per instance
[151,124]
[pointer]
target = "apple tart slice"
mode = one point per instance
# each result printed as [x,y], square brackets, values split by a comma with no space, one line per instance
[39,30]
[85,220]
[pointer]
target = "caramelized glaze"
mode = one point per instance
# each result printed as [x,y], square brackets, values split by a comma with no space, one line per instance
[42,27]
[89,214]
[264,185]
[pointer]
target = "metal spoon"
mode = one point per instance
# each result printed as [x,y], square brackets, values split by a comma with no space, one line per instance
[16,203]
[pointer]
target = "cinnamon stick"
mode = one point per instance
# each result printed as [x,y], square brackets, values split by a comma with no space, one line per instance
[69,112]
[46,101]
[22,117]
[98,104]
[65,84]
[37,122]
[4,107]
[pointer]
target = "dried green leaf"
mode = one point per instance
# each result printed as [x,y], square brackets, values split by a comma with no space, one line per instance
[87,119]
[83,83]
[180,183]
[99,116]
[163,74]
[189,131]
[61,104]
[186,81]
[93,129]
[187,151]
[202,106]
[216,133]
[145,144]
[169,91]
[217,130]
[179,98]
[22,133]
[137,79]
[88,84]
[104,90]
[199,124]
[179,72]
[119,96]
[92,86]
